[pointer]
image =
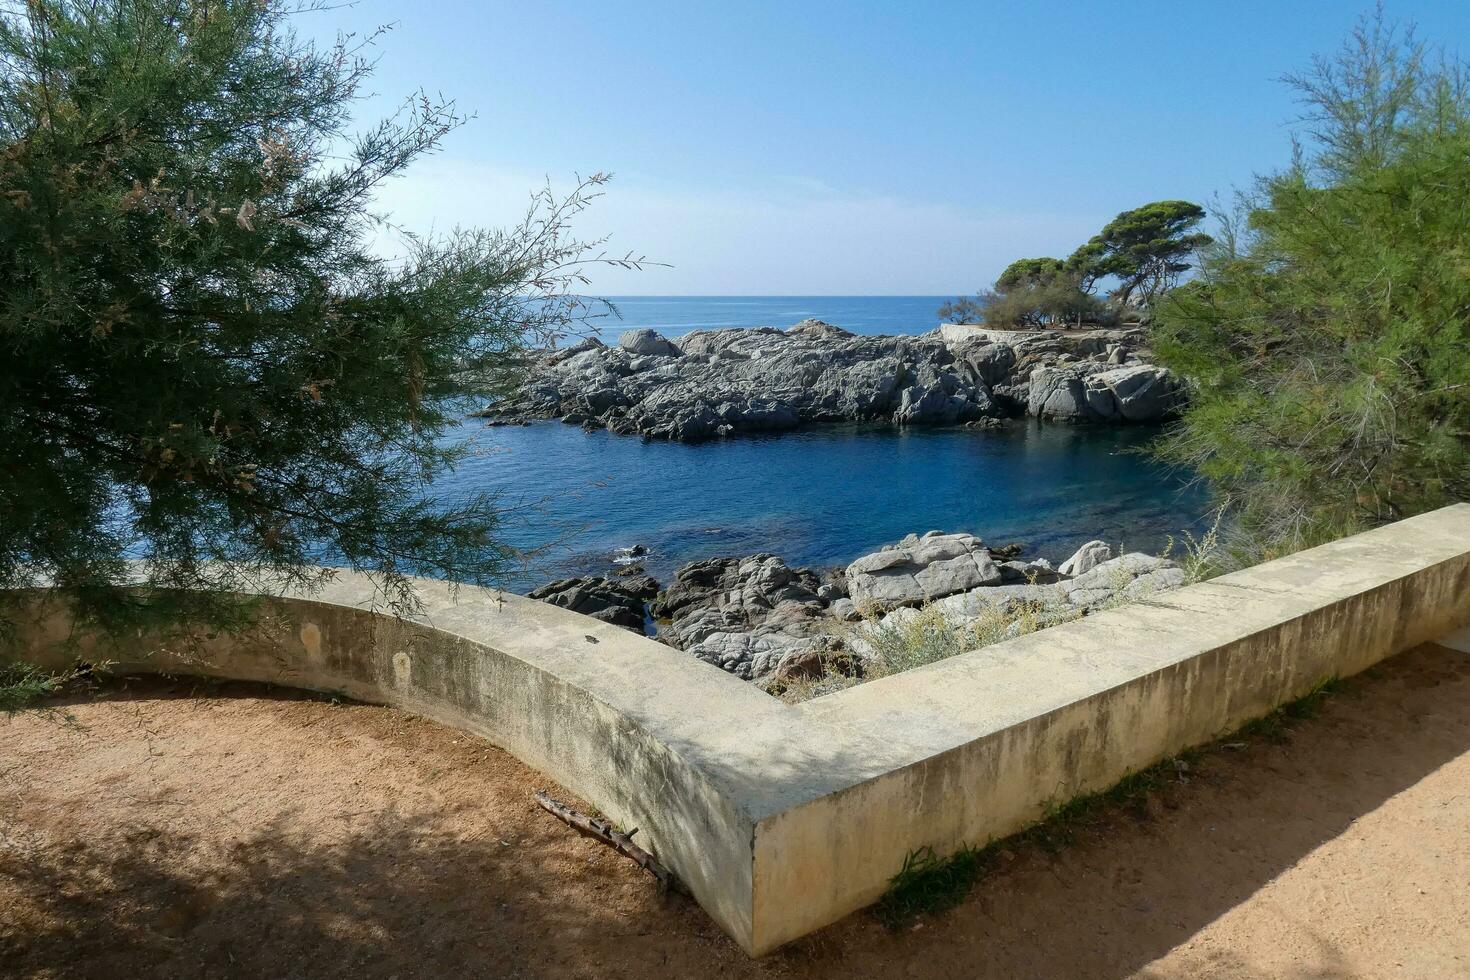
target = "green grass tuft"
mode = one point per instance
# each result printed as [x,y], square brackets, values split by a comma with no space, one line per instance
[928,884]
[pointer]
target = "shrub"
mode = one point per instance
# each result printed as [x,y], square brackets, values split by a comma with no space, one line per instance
[1328,336]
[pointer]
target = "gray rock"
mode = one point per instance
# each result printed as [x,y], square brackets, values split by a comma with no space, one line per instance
[1129,576]
[647,342]
[616,601]
[919,569]
[1088,392]
[763,656]
[988,364]
[743,614]
[1057,393]
[811,327]
[1004,598]
[1086,557]
[1143,392]
[1038,571]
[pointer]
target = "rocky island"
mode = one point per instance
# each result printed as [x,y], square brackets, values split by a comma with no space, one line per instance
[714,383]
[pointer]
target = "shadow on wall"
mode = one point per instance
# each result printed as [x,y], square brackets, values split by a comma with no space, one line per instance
[406,889]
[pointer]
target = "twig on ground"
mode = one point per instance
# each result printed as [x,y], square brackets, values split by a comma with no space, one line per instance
[601,830]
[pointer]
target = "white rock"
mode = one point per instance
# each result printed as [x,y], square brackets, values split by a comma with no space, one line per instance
[1085,558]
[918,569]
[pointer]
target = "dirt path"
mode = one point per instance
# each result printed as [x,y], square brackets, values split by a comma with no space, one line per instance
[178,830]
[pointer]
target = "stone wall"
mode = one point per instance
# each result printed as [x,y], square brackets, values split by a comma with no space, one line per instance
[784,818]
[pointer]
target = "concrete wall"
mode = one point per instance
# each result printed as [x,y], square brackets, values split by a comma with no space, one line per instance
[953,333]
[782,819]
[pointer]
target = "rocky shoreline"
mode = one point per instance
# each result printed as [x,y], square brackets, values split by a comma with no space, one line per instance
[768,623]
[714,383]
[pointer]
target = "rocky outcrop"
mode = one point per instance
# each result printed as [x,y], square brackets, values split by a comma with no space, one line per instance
[617,601]
[764,621]
[919,569]
[755,617]
[718,382]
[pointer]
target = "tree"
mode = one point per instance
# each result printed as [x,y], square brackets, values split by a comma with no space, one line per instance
[964,309]
[1039,293]
[1146,249]
[1329,337]
[207,377]
[1026,273]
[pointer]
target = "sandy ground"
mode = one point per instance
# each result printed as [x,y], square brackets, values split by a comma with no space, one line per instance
[170,829]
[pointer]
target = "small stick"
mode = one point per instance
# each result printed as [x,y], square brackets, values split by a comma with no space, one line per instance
[601,830]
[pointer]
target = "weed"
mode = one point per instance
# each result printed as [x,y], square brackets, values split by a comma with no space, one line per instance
[927,884]
[1203,557]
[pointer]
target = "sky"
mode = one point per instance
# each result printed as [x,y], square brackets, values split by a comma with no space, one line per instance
[861,148]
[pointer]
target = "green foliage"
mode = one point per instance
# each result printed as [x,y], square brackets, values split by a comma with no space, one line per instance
[1329,343]
[1146,249]
[928,884]
[964,310]
[1028,272]
[24,686]
[1204,556]
[1039,293]
[201,358]
[914,639]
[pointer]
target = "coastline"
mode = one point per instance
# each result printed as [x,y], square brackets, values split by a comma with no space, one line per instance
[717,383]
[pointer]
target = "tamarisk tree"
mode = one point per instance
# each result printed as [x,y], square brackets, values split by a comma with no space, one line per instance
[1328,333]
[208,378]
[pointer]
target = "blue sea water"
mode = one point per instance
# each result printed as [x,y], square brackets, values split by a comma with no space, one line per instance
[674,316]
[818,497]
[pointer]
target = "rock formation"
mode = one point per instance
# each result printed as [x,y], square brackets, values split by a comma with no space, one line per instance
[617,601]
[719,382]
[754,617]
[763,621]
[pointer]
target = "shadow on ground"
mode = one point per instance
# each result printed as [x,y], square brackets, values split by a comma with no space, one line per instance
[153,836]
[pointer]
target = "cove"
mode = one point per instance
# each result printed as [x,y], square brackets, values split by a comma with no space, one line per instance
[817,497]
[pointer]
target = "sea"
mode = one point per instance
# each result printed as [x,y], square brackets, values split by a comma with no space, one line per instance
[576,502]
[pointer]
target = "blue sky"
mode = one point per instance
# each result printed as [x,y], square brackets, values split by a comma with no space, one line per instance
[852,148]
